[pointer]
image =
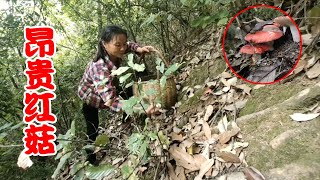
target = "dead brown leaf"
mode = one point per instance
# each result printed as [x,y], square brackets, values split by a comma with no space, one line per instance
[226,136]
[172,173]
[209,111]
[180,173]
[176,137]
[183,158]
[238,104]
[252,173]
[228,157]
[206,129]
[204,168]
[314,71]
[245,88]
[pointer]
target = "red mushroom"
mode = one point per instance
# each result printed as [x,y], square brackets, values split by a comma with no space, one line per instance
[287,22]
[263,36]
[255,50]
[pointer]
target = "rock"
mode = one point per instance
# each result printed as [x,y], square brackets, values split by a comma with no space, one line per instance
[280,139]
[293,171]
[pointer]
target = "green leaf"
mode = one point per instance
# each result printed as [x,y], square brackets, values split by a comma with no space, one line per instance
[222,21]
[139,67]
[158,61]
[61,164]
[169,17]
[79,175]
[73,128]
[129,84]
[164,139]
[88,147]
[151,19]
[129,104]
[102,140]
[17,126]
[135,142]
[143,149]
[76,167]
[120,71]
[150,92]
[173,68]
[124,78]
[184,2]
[5,126]
[99,172]
[130,57]
[3,135]
[126,171]
[153,136]
[163,81]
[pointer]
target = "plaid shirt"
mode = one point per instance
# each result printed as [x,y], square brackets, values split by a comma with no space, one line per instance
[96,86]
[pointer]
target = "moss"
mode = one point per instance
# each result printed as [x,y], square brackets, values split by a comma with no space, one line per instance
[187,104]
[270,95]
[303,148]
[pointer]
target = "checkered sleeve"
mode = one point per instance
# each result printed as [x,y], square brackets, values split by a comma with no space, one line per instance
[103,84]
[132,47]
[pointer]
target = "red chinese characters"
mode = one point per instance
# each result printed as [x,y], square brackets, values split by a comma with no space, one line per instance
[31,110]
[39,41]
[39,134]
[40,74]
[39,139]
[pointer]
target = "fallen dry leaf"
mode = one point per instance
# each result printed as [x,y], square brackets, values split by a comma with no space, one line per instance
[204,168]
[180,173]
[314,71]
[303,117]
[223,124]
[24,161]
[245,88]
[206,129]
[209,111]
[258,86]
[176,137]
[311,62]
[172,173]
[199,159]
[183,158]
[252,173]
[228,157]
[239,105]
[232,81]
[226,136]
[301,65]
[226,75]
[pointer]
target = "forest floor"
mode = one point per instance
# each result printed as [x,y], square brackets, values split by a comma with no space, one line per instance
[279,147]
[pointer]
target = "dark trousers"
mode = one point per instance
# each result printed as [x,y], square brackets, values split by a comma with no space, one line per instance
[92,120]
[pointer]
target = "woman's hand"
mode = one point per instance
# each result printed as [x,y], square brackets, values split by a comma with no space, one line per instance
[145,49]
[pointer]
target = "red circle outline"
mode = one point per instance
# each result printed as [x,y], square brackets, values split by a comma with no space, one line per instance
[225,33]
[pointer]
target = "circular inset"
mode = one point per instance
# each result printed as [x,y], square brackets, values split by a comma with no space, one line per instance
[262,44]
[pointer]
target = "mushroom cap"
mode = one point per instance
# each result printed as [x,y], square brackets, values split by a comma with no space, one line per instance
[256,49]
[283,21]
[272,28]
[263,36]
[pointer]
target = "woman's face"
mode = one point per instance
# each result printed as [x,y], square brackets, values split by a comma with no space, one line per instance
[117,46]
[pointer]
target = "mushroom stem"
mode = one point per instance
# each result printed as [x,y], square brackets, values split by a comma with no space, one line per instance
[295,33]
[255,58]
